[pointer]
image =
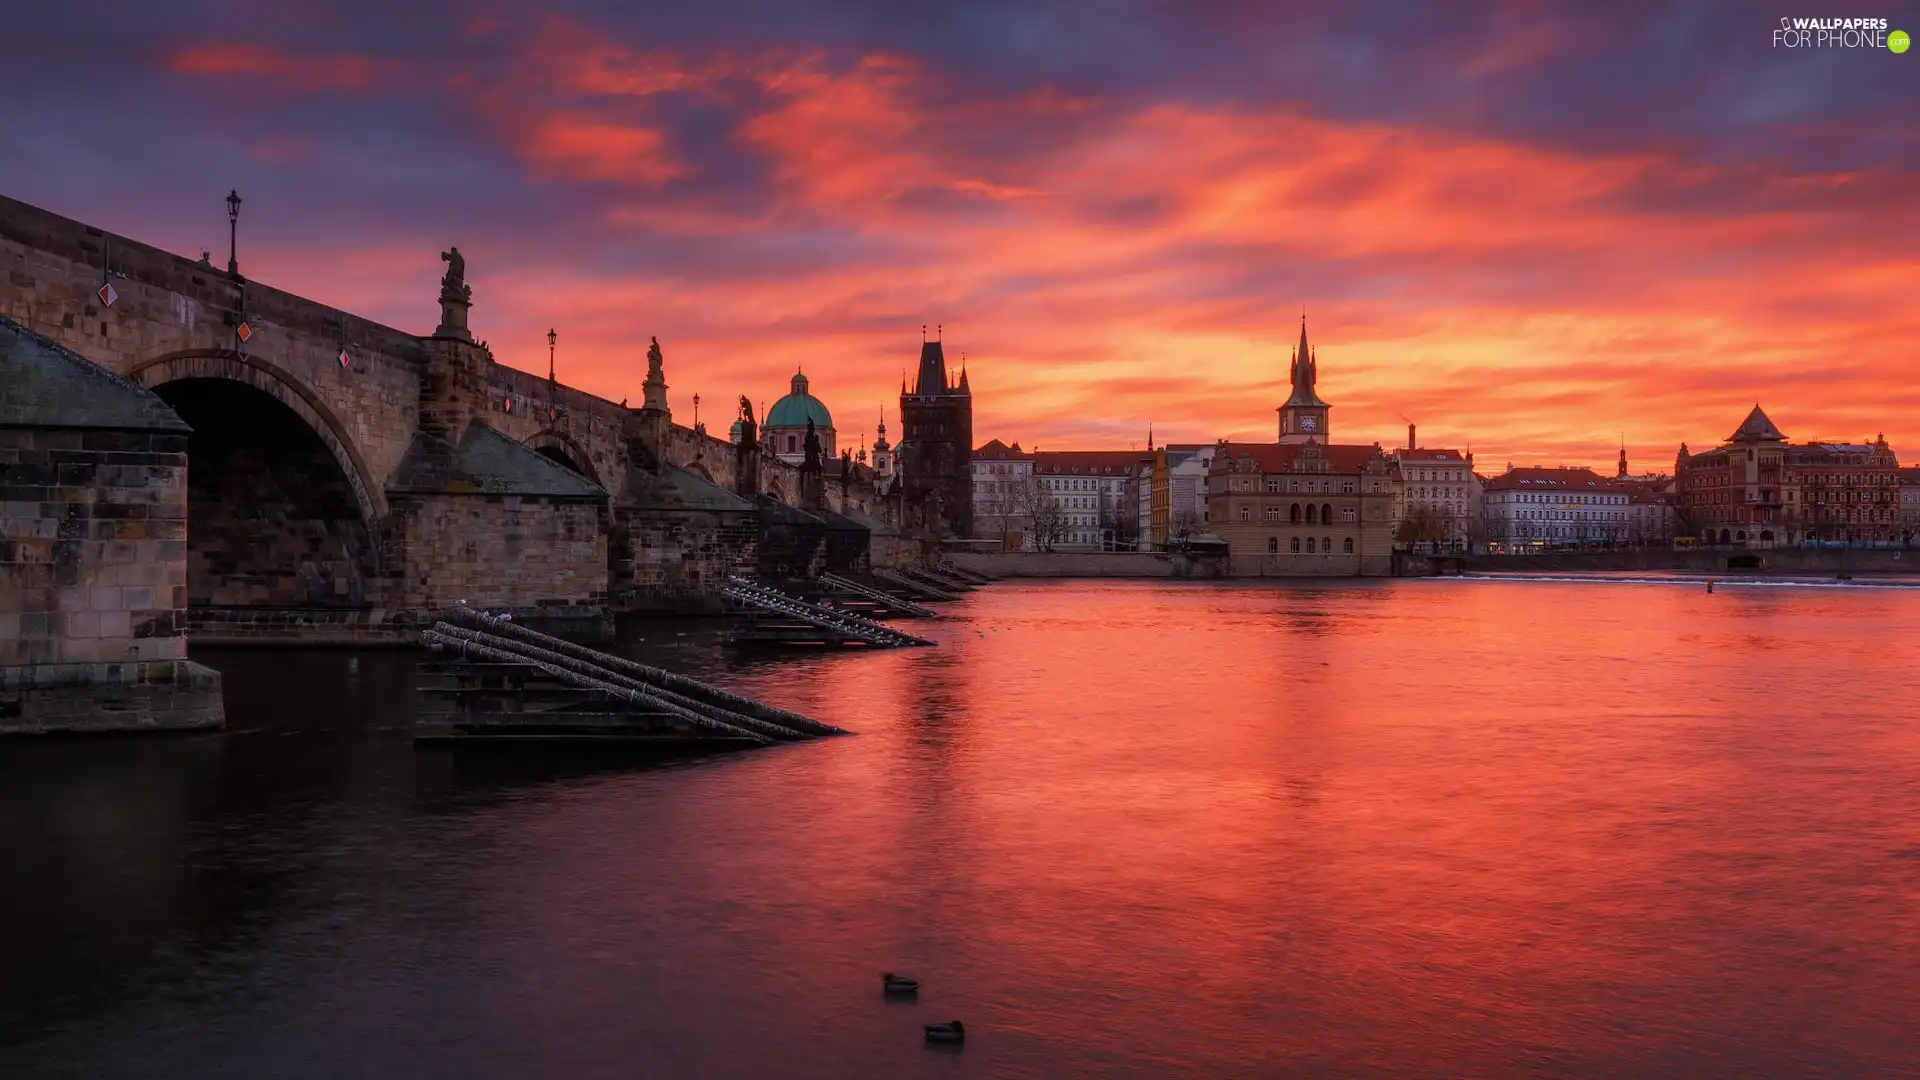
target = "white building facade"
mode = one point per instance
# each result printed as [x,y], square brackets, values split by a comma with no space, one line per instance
[1089,487]
[1554,507]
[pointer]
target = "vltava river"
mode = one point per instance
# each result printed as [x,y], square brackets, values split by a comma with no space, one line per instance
[1391,829]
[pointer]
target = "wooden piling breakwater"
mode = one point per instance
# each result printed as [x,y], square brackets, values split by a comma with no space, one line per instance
[771,617]
[510,684]
[929,577]
[961,573]
[894,603]
[669,681]
[917,590]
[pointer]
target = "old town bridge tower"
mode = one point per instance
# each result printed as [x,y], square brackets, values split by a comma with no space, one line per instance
[936,447]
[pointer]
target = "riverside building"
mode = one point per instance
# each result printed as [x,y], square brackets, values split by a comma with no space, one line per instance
[1759,490]
[1555,507]
[1303,505]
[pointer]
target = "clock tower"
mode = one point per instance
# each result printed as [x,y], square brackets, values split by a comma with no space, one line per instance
[1304,417]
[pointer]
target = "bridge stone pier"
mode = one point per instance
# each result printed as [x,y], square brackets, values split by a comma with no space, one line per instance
[346,479]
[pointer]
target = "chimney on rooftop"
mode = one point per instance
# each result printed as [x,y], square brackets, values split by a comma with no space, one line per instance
[1411,445]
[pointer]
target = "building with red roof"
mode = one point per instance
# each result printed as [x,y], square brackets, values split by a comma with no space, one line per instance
[1760,490]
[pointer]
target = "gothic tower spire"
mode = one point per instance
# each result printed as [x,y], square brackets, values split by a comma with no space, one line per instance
[1304,417]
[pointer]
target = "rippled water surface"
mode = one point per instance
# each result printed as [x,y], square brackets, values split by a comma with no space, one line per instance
[1392,829]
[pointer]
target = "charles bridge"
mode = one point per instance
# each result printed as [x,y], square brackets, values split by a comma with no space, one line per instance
[347,478]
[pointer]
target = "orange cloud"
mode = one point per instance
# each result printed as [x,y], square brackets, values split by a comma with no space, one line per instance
[1104,264]
[580,147]
[306,74]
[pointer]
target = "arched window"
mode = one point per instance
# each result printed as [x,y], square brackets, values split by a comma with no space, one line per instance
[1326,513]
[1326,545]
[792,440]
[1347,545]
[1293,513]
[1296,545]
[1309,513]
[1273,545]
[1309,545]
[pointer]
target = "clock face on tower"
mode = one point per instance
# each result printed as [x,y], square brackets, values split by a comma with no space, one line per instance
[1308,423]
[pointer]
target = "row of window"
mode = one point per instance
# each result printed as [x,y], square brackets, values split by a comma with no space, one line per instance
[1325,546]
[1573,515]
[1296,514]
[1277,486]
[1580,497]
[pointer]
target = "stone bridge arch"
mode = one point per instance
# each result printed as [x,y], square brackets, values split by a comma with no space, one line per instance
[564,449]
[289,390]
[283,512]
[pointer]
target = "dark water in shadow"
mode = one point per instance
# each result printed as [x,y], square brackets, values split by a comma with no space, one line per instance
[1413,829]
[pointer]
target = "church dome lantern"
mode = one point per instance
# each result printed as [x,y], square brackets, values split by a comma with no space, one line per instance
[787,422]
[798,407]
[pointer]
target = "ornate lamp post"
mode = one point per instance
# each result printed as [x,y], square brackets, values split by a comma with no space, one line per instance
[696,410]
[233,232]
[551,338]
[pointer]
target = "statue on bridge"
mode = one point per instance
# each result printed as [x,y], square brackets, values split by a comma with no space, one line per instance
[455,298]
[746,410]
[454,285]
[655,388]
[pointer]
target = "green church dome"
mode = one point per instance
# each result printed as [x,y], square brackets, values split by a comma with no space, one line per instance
[798,407]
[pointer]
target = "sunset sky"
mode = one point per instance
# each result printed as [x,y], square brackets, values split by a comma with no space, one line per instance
[1530,231]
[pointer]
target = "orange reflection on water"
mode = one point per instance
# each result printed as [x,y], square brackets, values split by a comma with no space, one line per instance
[1457,825]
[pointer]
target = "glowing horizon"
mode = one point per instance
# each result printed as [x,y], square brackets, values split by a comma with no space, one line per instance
[1536,236]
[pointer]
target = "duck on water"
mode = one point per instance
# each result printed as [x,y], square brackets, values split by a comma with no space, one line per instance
[898,984]
[951,1031]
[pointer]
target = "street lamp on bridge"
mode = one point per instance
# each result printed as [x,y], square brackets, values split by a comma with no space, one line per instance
[233,232]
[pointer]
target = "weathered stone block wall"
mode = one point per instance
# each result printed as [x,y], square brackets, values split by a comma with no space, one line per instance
[155,695]
[846,552]
[1823,562]
[1316,565]
[588,426]
[93,528]
[790,549]
[702,455]
[680,558]
[498,550]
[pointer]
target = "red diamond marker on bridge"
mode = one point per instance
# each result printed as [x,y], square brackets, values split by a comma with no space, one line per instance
[245,333]
[343,358]
[106,293]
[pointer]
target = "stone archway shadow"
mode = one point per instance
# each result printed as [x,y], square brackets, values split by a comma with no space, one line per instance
[563,449]
[289,390]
